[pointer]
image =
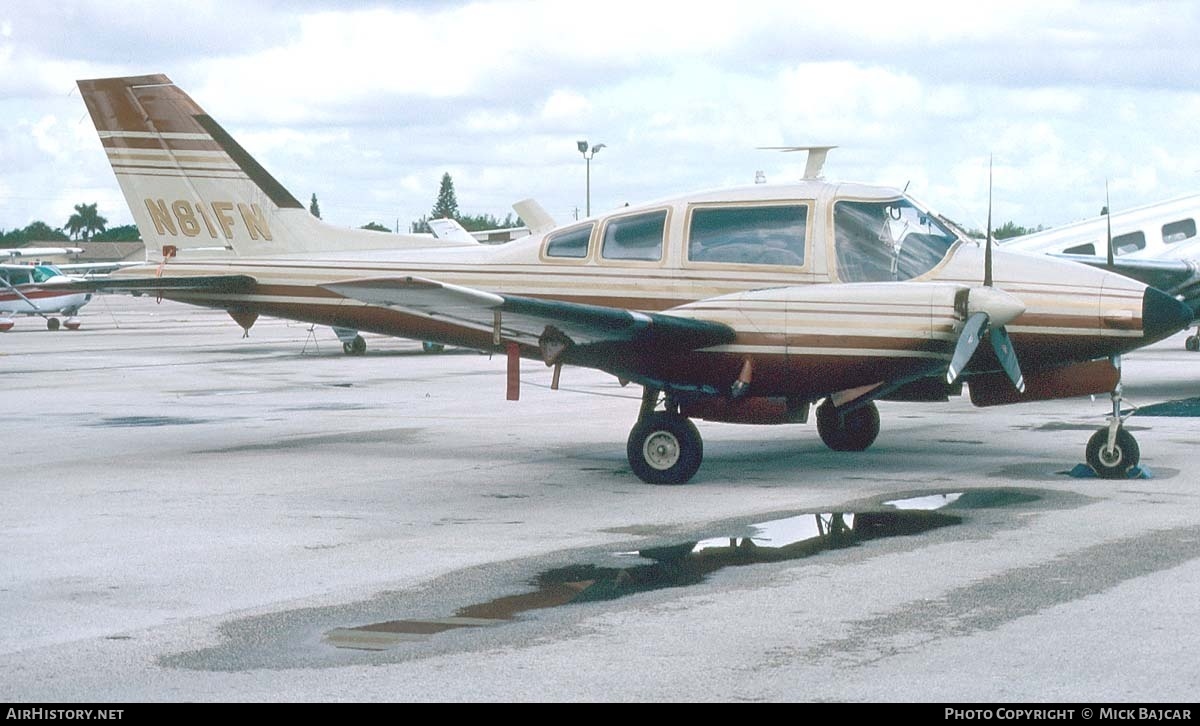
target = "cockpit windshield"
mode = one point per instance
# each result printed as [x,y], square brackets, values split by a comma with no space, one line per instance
[41,273]
[887,240]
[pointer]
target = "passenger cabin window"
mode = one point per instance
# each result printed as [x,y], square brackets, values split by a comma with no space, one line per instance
[760,235]
[891,240]
[1131,242]
[15,277]
[1179,231]
[637,237]
[1087,249]
[571,243]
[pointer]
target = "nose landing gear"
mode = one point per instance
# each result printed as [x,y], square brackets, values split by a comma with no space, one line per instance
[1112,452]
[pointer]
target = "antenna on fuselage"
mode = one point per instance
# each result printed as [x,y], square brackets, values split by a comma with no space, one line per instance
[816,157]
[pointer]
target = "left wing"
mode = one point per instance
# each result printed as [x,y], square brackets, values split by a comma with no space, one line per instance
[563,331]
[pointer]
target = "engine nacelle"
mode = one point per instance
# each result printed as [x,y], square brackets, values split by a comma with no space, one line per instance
[1080,379]
[749,410]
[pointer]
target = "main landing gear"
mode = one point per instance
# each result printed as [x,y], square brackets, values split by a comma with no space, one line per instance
[854,430]
[355,346]
[664,447]
[1192,342]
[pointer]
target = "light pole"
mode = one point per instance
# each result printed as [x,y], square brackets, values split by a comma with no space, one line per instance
[588,153]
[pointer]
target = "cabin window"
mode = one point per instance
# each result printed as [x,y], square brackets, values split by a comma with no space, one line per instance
[1131,242]
[888,240]
[41,273]
[759,235]
[569,243]
[1179,231]
[637,237]
[15,277]
[1087,249]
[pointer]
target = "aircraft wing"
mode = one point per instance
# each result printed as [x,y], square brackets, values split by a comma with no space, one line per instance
[555,326]
[207,283]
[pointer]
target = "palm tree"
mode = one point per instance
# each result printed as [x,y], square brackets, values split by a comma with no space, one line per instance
[85,222]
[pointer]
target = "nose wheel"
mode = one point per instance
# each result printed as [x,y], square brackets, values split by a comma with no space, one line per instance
[1112,452]
[1115,460]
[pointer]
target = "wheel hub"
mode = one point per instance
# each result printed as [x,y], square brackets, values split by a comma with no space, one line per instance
[661,450]
[1110,457]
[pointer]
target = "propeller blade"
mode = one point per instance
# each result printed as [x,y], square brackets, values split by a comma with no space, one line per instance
[968,341]
[1008,357]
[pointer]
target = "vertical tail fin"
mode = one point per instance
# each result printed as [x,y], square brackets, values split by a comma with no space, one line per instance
[191,187]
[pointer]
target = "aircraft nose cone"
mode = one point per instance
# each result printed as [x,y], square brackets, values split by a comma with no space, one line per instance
[1163,315]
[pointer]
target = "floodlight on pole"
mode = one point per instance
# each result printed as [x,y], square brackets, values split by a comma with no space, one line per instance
[588,152]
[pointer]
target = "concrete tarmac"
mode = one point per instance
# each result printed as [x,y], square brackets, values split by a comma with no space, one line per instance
[190,515]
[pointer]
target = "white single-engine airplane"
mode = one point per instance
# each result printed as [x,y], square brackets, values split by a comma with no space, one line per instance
[743,305]
[28,289]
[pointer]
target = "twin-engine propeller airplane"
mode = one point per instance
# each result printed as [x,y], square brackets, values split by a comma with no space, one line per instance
[742,305]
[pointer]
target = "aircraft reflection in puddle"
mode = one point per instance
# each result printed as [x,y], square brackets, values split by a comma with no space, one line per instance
[688,563]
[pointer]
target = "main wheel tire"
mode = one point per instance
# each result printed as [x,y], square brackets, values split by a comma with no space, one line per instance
[358,346]
[855,431]
[1117,463]
[52,323]
[664,448]
[1192,343]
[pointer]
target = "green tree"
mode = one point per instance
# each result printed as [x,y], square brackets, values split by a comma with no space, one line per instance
[121,233]
[314,207]
[40,232]
[446,206]
[375,226]
[85,222]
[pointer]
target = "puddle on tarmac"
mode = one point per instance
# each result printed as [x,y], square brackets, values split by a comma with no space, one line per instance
[691,562]
[136,421]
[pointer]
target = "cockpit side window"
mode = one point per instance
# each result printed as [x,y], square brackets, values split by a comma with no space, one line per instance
[890,240]
[571,243]
[636,237]
[755,235]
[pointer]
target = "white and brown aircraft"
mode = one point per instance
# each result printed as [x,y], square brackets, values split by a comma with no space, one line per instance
[743,305]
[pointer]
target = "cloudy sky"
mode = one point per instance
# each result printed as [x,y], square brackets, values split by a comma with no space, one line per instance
[366,104]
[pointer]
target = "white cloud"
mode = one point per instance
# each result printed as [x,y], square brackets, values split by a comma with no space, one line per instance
[368,105]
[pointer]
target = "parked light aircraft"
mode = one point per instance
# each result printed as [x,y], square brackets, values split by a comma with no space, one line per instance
[26,289]
[741,305]
[1156,244]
